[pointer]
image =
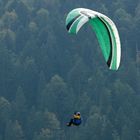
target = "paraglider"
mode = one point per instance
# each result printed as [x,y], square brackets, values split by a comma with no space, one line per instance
[105,30]
[75,120]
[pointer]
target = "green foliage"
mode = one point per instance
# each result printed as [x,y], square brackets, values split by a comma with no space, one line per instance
[47,74]
[14,131]
[5,110]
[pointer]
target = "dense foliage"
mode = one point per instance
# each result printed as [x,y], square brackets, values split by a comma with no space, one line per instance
[46,74]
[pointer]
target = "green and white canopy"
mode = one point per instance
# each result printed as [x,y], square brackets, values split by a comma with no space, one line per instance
[105,30]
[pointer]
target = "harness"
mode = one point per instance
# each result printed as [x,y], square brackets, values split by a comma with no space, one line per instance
[77,120]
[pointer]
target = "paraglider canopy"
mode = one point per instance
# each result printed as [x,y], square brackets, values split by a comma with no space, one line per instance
[105,30]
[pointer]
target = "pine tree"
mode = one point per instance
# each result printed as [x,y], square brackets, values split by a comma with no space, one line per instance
[14,131]
[20,105]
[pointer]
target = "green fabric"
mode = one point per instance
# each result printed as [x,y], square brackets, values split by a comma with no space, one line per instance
[114,58]
[71,16]
[105,31]
[102,35]
[74,26]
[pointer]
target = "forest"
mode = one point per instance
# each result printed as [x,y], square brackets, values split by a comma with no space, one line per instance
[46,74]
